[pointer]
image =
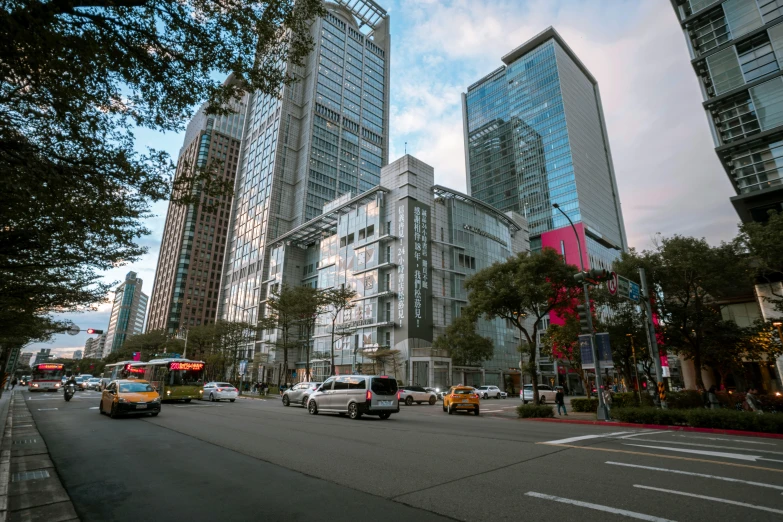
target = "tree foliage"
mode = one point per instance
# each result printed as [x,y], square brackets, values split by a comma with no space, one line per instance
[75,78]
[335,302]
[764,242]
[464,345]
[523,290]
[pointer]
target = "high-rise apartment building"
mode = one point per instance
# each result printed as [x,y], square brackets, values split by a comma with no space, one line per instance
[535,135]
[325,136]
[43,355]
[187,278]
[736,49]
[127,313]
[77,355]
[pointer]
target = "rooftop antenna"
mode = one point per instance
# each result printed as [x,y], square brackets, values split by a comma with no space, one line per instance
[406,147]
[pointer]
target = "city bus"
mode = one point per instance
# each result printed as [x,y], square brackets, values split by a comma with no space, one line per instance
[122,370]
[46,377]
[175,379]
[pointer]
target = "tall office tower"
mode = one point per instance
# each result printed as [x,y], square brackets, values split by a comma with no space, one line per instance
[535,135]
[127,313]
[736,48]
[325,136]
[24,359]
[77,355]
[89,346]
[187,278]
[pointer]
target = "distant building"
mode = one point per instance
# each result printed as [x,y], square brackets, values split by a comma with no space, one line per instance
[44,355]
[77,355]
[93,347]
[24,359]
[127,313]
[194,239]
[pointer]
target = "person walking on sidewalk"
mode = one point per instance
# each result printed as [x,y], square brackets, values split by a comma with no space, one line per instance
[560,401]
[712,394]
[13,383]
[607,393]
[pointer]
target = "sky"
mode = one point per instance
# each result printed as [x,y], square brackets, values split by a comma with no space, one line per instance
[668,175]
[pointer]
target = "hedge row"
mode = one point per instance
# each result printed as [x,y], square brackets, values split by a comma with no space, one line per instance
[674,400]
[702,418]
[527,411]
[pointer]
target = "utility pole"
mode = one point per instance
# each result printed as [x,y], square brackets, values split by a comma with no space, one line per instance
[603,412]
[635,368]
[650,329]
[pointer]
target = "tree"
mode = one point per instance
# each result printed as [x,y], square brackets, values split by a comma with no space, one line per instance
[283,309]
[689,278]
[383,357]
[764,242]
[562,341]
[233,339]
[336,301]
[523,290]
[309,304]
[464,345]
[731,345]
[79,76]
[147,344]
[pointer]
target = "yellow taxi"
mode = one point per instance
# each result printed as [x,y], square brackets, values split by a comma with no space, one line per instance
[461,398]
[129,397]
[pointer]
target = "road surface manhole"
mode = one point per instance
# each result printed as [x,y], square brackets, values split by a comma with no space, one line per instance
[26,441]
[29,475]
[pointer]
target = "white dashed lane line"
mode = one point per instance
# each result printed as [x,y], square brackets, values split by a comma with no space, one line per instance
[701,475]
[711,499]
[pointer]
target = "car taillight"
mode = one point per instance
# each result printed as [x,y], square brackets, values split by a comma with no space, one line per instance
[474,396]
[399,392]
[220,389]
[368,396]
[454,396]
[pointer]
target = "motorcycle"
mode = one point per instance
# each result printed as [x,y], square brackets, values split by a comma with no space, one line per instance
[69,390]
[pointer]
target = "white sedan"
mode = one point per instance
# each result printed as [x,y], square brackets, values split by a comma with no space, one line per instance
[218,391]
[545,394]
[486,392]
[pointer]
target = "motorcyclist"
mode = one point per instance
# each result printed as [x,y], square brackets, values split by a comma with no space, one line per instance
[70,382]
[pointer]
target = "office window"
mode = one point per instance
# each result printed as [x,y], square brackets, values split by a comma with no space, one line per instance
[742,16]
[725,70]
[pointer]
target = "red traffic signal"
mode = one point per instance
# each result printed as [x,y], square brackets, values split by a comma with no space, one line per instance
[94,331]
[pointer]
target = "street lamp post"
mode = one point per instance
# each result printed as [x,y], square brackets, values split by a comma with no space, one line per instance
[602,413]
[635,368]
[779,326]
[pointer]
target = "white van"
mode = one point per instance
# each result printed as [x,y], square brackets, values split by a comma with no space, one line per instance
[356,395]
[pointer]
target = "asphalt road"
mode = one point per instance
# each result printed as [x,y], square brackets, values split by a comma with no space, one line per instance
[258,459]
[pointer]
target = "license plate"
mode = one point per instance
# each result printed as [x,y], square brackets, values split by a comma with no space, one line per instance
[141,406]
[385,403]
[465,400]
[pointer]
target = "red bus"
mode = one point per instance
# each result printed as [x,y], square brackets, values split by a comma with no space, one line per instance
[46,377]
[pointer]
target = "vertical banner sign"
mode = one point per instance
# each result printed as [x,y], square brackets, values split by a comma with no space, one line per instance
[604,349]
[413,269]
[586,348]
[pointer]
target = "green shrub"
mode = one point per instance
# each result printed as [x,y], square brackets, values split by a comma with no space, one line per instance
[647,415]
[631,399]
[273,390]
[684,400]
[584,405]
[527,411]
[723,419]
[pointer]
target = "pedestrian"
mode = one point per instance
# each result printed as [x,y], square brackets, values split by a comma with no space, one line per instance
[607,393]
[266,389]
[705,398]
[752,403]
[712,394]
[13,383]
[560,401]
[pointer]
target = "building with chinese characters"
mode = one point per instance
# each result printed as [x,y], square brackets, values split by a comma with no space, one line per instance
[405,247]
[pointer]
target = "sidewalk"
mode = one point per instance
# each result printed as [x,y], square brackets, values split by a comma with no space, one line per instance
[30,488]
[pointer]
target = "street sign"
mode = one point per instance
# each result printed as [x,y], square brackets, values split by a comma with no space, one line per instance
[586,349]
[73,330]
[634,292]
[611,283]
[627,288]
[604,349]
[242,366]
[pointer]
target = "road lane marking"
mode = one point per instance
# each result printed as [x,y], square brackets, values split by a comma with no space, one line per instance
[713,499]
[710,446]
[726,440]
[643,433]
[47,409]
[659,456]
[598,507]
[702,475]
[586,437]
[737,456]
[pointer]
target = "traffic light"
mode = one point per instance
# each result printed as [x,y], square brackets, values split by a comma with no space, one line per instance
[584,325]
[94,331]
[594,276]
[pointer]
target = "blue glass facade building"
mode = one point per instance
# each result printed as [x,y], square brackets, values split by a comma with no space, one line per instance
[535,135]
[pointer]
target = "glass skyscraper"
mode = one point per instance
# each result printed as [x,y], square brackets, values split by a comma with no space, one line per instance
[535,135]
[325,136]
[736,48]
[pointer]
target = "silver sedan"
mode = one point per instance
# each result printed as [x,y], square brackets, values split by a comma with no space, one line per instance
[299,393]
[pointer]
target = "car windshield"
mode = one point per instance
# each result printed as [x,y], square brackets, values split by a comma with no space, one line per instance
[463,391]
[94,380]
[384,386]
[135,387]
[225,385]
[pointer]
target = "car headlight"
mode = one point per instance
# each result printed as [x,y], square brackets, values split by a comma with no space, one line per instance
[168,392]
[122,400]
[57,385]
[156,399]
[201,391]
[34,385]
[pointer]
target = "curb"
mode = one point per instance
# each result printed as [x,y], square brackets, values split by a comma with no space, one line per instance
[5,462]
[665,427]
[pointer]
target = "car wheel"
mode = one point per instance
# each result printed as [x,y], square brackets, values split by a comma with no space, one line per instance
[286,401]
[384,415]
[408,400]
[312,408]
[113,412]
[231,400]
[100,408]
[497,396]
[432,401]
[353,411]
[486,396]
[304,401]
[211,398]
[187,400]
[476,411]
[155,414]
[451,410]
[444,407]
